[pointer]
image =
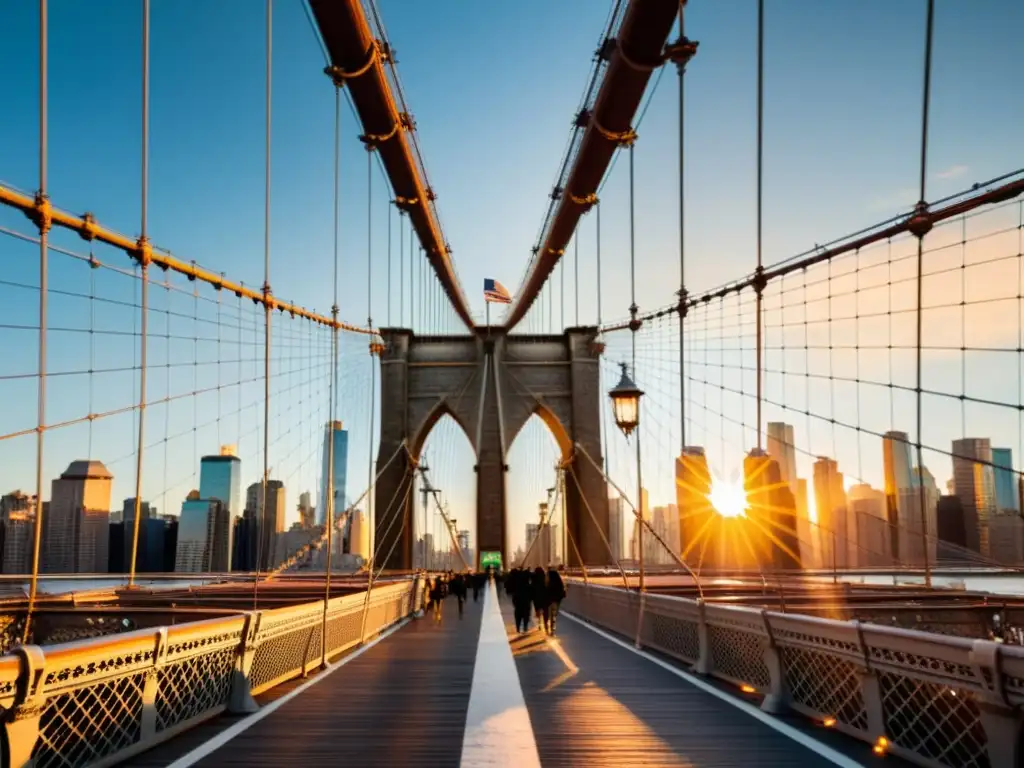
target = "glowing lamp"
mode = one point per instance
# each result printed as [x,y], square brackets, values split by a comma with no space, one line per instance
[626,403]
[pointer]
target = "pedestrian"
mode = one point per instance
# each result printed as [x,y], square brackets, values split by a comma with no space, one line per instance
[556,594]
[478,583]
[458,588]
[539,595]
[436,596]
[519,580]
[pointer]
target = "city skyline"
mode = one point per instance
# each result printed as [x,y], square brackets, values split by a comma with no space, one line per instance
[226,165]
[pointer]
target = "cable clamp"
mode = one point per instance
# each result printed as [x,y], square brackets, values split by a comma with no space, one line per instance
[759,282]
[41,214]
[89,228]
[636,66]
[635,323]
[374,140]
[405,204]
[587,201]
[339,75]
[143,253]
[920,222]
[430,194]
[680,52]
[556,194]
[624,138]
[683,307]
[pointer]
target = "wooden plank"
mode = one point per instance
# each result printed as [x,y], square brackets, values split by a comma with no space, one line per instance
[593,704]
[403,702]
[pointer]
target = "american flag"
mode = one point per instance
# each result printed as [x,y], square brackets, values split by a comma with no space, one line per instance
[496,292]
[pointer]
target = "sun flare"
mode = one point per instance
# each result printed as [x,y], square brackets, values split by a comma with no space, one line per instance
[728,499]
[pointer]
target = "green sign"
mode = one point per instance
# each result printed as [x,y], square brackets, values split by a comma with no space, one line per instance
[490,560]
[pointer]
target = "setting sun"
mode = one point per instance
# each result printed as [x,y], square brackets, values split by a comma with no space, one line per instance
[728,499]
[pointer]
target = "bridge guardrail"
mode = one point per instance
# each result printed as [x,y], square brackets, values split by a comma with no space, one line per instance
[98,701]
[935,700]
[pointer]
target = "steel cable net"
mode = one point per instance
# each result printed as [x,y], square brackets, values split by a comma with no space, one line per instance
[205,395]
[839,401]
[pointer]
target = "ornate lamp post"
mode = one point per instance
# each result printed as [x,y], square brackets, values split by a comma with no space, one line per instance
[626,408]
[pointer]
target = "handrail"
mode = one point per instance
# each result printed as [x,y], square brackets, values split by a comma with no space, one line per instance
[146,686]
[870,681]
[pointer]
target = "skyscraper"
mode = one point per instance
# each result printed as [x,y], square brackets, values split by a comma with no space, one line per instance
[830,499]
[272,521]
[696,515]
[17,528]
[220,478]
[360,535]
[771,512]
[899,478]
[616,508]
[204,536]
[1007,499]
[975,484]
[870,523]
[75,528]
[918,524]
[782,448]
[333,431]
[305,510]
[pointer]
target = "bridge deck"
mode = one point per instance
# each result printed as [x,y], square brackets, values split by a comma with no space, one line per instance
[470,692]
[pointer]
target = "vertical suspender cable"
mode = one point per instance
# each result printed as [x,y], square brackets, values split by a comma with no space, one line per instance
[576,267]
[922,214]
[601,424]
[44,225]
[389,266]
[373,367]
[143,257]
[634,327]
[332,398]
[401,269]
[760,163]
[561,296]
[681,70]
[261,523]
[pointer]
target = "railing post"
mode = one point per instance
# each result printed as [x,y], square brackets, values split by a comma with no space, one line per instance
[776,700]
[1001,720]
[703,665]
[638,640]
[21,724]
[870,690]
[241,701]
[416,604]
[151,685]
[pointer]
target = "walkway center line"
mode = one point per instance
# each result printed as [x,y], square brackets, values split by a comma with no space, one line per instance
[498,730]
[774,723]
[222,738]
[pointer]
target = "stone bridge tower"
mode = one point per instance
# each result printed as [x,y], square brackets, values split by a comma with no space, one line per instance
[490,383]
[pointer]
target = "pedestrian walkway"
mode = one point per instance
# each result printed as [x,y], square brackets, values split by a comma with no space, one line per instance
[402,702]
[594,702]
[470,692]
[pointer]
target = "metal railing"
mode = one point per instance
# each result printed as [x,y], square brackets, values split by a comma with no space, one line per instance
[934,700]
[98,701]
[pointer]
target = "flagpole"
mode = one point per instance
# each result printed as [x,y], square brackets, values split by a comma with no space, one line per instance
[487,305]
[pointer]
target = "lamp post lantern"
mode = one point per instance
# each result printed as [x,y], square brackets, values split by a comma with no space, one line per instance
[626,403]
[625,398]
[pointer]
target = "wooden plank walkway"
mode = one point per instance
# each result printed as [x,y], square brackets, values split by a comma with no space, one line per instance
[584,699]
[594,703]
[403,702]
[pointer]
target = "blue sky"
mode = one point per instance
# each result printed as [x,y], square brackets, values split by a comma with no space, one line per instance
[493,87]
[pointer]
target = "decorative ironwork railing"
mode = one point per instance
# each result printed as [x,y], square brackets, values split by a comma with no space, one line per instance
[101,700]
[935,700]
